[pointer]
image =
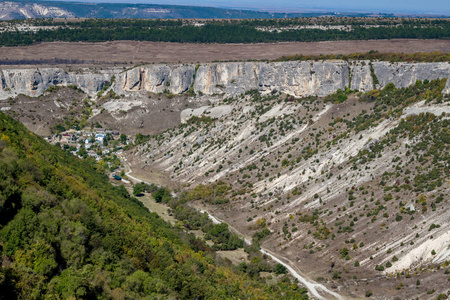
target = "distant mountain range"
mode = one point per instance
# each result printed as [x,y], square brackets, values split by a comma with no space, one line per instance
[10,10]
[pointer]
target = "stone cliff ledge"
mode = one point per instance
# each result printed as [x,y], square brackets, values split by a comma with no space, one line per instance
[297,78]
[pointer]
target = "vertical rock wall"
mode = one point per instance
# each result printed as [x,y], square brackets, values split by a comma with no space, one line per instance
[305,78]
[33,82]
[406,74]
[361,77]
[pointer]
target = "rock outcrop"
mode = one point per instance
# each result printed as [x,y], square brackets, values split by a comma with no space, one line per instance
[16,10]
[156,78]
[33,82]
[295,78]
[361,76]
[406,74]
[304,78]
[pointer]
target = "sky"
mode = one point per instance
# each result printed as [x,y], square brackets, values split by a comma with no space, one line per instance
[398,6]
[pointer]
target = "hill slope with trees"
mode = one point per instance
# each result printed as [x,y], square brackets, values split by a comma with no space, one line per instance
[66,232]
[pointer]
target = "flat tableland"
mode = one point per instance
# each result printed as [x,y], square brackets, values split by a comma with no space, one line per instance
[120,52]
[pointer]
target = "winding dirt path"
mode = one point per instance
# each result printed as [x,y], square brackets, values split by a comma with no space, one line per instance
[312,286]
[317,290]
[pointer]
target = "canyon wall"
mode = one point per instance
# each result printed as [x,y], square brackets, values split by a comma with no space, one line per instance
[304,78]
[33,82]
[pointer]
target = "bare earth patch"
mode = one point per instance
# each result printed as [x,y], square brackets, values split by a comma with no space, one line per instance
[159,208]
[157,52]
[235,256]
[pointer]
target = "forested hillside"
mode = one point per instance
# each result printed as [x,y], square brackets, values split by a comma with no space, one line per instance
[65,232]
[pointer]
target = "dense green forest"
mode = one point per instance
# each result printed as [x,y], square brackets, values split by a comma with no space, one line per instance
[66,232]
[243,31]
[274,23]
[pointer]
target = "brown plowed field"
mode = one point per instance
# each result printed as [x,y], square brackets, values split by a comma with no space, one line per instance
[157,52]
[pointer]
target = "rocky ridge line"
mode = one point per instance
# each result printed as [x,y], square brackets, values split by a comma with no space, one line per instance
[297,78]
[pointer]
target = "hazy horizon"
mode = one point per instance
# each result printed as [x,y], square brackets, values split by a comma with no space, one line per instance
[438,7]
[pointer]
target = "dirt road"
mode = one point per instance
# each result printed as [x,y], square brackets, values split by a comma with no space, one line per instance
[316,289]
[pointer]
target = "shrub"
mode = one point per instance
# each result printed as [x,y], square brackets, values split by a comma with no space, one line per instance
[344,252]
[379,268]
[336,275]
[280,269]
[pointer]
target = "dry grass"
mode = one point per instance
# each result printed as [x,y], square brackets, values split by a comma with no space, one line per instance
[134,52]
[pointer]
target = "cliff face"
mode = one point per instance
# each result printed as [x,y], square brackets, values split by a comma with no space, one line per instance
[300,79]
[295,78]
[16,10]
[33,82]
[406,74]
[361,76]
[156,78]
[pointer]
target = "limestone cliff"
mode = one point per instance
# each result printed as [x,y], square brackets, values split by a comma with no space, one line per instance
[295,78]
[406,74]
[361,76]
[305,78]
[33,82]
[300,79]
[156,78]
